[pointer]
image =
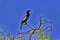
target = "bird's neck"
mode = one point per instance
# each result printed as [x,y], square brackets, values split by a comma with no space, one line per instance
[28,14]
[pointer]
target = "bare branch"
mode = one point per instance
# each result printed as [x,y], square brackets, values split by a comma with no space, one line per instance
[41,20]
[28,25]
[46,28]
[24,32]
[40,23]
[33,30]
[31,33]
[47,22]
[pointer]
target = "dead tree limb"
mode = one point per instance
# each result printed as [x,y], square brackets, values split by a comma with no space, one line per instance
[40,21]
[31,33]
[33,30]
[24,32]
[28,25]
[46,28]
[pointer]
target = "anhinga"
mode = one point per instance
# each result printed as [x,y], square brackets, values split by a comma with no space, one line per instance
[25,18]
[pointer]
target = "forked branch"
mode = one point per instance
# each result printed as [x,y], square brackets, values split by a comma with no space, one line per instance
[33,30]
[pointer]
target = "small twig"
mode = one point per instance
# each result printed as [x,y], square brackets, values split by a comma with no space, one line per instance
[46,28]
[47,22]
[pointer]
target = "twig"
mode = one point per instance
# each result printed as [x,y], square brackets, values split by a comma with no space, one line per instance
[46,28]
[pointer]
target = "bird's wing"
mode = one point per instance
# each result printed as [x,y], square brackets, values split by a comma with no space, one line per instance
[24,18]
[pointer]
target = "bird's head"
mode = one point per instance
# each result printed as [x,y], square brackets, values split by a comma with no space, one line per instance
[28,11]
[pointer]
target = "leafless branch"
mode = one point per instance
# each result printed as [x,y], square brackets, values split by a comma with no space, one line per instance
[46,28]
[31,33]
[24,32]
[28,25]
[33,30]
[41,21]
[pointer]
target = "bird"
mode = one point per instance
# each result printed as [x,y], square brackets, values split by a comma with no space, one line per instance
[25,18]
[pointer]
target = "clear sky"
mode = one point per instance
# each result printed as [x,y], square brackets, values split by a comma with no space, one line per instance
[12,11]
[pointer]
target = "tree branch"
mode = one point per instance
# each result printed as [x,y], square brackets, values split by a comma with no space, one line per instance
[41,20]
[31,33]
[40,23]
[46,28]
[28,25]
[33,30]
[24,32]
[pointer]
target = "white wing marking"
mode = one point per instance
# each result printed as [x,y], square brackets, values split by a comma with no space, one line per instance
[25,18]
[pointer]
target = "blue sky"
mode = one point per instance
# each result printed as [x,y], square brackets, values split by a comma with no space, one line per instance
[12,11]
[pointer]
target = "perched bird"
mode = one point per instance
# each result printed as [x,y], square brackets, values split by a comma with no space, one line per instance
[25,18]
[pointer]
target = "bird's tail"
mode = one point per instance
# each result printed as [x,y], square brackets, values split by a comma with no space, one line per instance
[21,26]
